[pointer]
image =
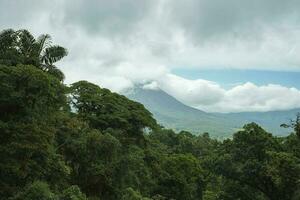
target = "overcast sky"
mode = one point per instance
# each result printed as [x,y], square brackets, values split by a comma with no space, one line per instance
[120,43]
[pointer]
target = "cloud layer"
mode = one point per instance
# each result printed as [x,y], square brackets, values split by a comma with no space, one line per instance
[121,43]
[211,97]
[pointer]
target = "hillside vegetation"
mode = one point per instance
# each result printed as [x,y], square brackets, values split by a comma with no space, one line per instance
[82,142]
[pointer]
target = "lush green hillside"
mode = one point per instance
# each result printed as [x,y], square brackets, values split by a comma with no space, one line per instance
[173,114]
[84,142]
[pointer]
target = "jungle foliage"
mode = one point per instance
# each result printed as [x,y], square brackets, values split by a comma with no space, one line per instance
[83,142]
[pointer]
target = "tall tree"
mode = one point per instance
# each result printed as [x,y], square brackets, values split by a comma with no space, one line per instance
[104,109]
[30,99]
[20,47]
[294,124]
[255,159]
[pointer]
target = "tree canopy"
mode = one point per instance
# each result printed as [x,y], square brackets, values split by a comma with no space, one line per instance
[20,47]
[84,142]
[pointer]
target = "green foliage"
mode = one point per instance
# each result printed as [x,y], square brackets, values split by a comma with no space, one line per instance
[72,193]
[36,191]
[8,52]
[29,101]
[255,159]
[106,110]
[181,178]
[130,194]
[291,144]
[92,157]
[295,124]
[20,47]
[85,142]
[27,92]
[132,171]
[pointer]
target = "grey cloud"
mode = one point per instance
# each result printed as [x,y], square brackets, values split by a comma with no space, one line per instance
[119,43]
[236,18]
[106,16]
[16,13]
[199,18]
[244,97]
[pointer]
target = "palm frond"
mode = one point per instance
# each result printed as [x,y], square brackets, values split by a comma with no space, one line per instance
[54,71]
[7,39]
[53,54]
[6,33]
[43,41]
[26,41]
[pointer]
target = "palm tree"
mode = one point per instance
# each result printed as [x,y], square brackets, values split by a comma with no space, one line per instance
[49,54]
[8,48]
[20,47]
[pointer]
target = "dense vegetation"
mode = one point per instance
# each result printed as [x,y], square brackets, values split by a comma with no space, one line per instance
[82,142]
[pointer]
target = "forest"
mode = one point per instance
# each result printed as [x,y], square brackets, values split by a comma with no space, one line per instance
[84,142]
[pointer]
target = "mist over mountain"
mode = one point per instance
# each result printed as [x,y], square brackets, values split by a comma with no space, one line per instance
[173,114]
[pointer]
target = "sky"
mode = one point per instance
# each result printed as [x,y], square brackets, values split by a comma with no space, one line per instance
[231,77]
[214,55]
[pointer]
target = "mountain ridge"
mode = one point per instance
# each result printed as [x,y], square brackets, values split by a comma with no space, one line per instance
[172,113]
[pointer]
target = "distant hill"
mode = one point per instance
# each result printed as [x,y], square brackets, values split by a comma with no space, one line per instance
[271,120]
[171,113]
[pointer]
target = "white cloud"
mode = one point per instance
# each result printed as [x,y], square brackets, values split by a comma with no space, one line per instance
[250,97]
[151,86]
[118,44]
[192,92]
[210,97]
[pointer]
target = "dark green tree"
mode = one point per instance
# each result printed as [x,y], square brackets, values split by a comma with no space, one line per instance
[181,178]
[255,159]
[29,101]
[294,124]
[93,157]
[72,193]
[20,47]
[36,191]
[85,142]
[106,110]
[27,92]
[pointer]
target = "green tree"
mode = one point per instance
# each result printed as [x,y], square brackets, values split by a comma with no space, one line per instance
[104,109]
[132,171]
[92,157]
[26,93]
[29,101]
[181,178]
[9,54]
[72,193]
[36,191]
[255,159]
[20,47]
[295,124]
[130,194]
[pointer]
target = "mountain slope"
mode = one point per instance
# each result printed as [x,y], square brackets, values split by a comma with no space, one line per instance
[271,120]
[171,113]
